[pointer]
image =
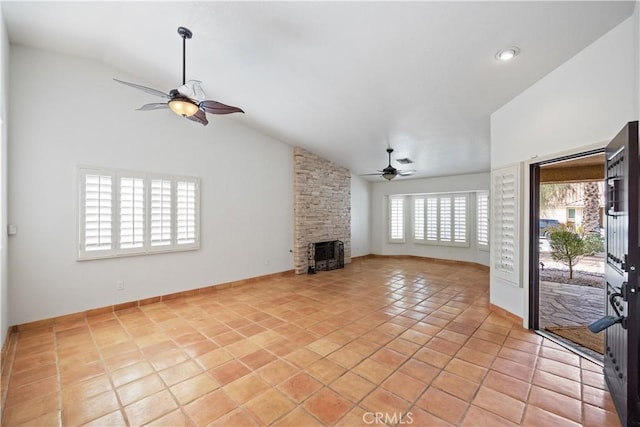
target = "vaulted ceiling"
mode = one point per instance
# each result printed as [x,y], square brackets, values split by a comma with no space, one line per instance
[342,79]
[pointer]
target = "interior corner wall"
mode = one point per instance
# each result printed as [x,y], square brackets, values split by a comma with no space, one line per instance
[322,205]
[581,104]
[360,216]
[246,188]
[448,184]
[4,265]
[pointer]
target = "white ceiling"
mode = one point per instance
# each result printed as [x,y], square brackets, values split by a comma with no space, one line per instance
[342,79]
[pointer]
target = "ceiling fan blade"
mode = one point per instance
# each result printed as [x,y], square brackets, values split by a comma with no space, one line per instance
[154,106]
[192,90]
[215,107]
[145,89]
[199,117]
[371,174]
[406,173]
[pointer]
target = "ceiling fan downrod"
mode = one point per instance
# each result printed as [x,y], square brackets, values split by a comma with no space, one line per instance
[185,33]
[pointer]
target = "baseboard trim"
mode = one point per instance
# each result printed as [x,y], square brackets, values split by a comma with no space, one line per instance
[8,353]
[501,311]
[82,315]
[429,259]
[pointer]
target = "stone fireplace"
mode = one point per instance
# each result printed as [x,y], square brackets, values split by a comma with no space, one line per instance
[322,206]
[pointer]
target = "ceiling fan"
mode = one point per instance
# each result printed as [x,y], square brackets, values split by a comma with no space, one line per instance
[390,172]
[187,100]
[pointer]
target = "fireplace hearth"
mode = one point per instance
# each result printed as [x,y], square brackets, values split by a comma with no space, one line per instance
[324,256]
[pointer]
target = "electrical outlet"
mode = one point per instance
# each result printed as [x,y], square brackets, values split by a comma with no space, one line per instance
[266,261]
[120,285]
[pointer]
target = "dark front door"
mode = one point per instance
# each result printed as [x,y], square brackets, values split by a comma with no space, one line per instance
[621,271]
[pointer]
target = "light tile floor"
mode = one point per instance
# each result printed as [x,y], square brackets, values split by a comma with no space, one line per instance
[383,341]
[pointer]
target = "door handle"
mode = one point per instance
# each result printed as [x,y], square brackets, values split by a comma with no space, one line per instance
[604,323]
[608,321]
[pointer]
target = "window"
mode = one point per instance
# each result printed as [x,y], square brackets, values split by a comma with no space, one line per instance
[482,217]
[130,213]
[396,219]
[441,219]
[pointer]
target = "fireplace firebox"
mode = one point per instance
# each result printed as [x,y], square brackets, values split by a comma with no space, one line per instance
[323,256]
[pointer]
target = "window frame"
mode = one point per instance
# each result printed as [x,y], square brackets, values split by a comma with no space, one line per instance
[116,251]
[428,226]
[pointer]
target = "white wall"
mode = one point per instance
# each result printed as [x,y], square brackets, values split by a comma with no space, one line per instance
[4,88]
[580,105]
[360,216]
[456,183]
[67,112]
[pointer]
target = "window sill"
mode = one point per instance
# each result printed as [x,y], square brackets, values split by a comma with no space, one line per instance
[92,257]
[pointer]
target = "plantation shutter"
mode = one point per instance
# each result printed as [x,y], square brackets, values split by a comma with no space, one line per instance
[445,219]
[460,219]
[505,215]
[132,216]
[418,218]
[431,221]
[160,230]
[97,212]
[123,213]
[396,219]
[186,201]
[482,215]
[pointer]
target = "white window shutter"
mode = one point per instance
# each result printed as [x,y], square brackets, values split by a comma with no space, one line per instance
[96,212]
[460,230]
[445,219]
[505,246]
[186,211]
[123,213]
[482,216]
[431,221]
[396,219]
[418,218]
[132,212]
[160,212]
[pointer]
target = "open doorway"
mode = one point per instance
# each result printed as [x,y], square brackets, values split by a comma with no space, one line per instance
[567,247]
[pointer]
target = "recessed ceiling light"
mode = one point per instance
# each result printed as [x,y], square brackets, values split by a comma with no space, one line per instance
[507,53]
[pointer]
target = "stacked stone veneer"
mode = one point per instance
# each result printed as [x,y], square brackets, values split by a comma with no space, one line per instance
[322,205]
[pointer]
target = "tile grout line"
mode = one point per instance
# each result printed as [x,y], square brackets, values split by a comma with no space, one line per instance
[108,374]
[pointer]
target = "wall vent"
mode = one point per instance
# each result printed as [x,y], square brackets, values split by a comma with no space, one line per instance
[404,161]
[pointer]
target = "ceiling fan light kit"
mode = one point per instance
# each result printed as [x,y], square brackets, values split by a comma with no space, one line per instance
[189,99]
[183,107]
